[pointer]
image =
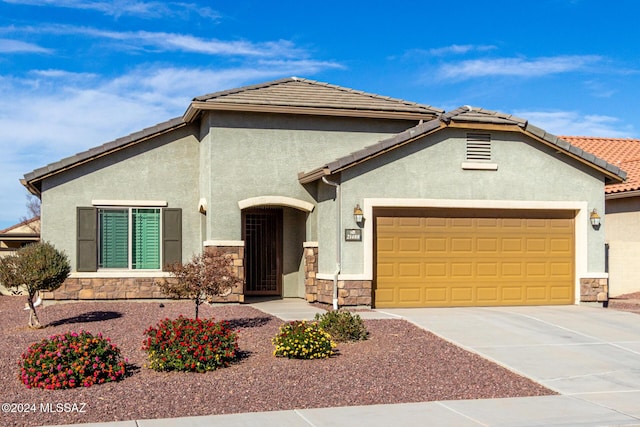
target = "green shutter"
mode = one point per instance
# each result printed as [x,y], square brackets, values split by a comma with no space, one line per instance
[171,236]
[86,243]
[114,238]
[145,239]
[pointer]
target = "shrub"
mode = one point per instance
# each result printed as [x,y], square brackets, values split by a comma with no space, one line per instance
[38,267]
[205,276]
[185,344]
[343,325]
[71,360]
[302,340]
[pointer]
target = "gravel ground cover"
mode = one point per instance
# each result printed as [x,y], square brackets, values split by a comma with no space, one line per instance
[399,363]
[627,302]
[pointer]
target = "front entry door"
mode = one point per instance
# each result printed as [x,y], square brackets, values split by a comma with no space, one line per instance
[262,235]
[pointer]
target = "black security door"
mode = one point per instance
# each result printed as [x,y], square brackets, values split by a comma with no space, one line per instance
[262,235]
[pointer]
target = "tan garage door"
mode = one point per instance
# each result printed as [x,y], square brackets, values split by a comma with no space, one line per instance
[483,258]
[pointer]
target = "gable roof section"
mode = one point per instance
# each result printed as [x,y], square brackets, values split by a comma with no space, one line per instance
[32,180]
[622,152]
[303,96]
[465,117]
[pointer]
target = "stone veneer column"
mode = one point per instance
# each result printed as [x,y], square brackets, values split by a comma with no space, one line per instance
[235,250]
[310,270]
[594,290]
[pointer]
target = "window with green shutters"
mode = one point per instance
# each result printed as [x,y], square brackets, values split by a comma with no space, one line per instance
[129,238]
[145,241]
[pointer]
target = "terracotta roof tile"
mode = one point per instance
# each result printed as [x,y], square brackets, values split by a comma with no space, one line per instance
[621,152]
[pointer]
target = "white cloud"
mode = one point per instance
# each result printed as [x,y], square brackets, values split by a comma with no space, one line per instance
[51,114]
[572,123]
[170,42]
[17,46]
[143,9]
[519,67]
[457,49]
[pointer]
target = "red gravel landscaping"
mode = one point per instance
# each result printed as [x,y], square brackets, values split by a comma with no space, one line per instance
[399,363]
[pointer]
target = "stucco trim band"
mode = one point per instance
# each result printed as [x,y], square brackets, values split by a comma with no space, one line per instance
[159,203]
[207,243]
[276,201]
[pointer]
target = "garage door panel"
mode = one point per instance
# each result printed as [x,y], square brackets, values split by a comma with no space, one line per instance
[463,294]
[434,245]
[442,261]
[409,295]
[487,295]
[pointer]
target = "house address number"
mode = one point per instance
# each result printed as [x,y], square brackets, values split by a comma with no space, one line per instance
[353,235]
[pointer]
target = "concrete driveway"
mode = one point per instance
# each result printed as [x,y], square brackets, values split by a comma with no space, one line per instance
[587,352]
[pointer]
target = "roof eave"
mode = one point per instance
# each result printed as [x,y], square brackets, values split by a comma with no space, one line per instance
[622,194]
[197,107]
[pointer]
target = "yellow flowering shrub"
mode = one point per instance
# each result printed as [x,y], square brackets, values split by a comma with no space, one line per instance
[302,340]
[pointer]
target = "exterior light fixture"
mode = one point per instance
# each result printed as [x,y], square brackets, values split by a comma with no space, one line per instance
[594,218]
[357,215]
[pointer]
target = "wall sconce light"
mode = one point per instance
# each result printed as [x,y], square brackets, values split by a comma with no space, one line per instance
[594,218]
[357,215]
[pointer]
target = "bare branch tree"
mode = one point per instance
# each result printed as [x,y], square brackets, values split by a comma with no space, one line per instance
[207,275]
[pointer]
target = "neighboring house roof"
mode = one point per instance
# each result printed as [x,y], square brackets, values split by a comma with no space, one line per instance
[33,179]
[20,234]
[622,152]
[304,96]
[466,117]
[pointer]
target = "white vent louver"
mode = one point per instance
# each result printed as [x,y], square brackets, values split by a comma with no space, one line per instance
[478,147]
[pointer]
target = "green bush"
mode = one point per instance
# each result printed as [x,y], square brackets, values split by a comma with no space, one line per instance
[71,360]
[343,325]
[195,345]
[37,267]
[302,340]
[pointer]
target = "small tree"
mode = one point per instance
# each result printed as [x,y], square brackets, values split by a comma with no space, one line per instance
[205,276]
[38,267]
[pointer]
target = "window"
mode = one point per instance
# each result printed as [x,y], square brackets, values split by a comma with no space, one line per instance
[129,238]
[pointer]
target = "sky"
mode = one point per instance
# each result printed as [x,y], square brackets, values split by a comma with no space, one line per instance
[75,74]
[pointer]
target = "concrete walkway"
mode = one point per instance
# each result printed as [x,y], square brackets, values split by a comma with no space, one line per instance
[590,355]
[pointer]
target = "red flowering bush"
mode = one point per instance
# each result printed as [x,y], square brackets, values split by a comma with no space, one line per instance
[195,345]
[71,360]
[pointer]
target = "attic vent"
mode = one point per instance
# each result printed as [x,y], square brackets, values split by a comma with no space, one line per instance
[478,147]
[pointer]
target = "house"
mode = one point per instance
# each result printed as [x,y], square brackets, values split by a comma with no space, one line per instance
[19,235]
[622,210]
[15,237]
[334,195]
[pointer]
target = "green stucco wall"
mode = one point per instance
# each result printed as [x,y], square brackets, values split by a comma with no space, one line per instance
[430,168]
[164,168]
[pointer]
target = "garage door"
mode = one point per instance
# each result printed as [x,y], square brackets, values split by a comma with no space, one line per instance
[448,258]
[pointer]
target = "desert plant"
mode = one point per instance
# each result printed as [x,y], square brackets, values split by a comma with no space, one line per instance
[71,360]
[185,344]
[37,267]
[302,340]
[205,276]
[343,325]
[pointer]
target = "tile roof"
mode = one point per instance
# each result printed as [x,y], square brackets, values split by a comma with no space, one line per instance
[304,93]
[622,152]
[463,115]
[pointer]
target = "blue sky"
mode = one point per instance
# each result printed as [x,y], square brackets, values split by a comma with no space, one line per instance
[75,74]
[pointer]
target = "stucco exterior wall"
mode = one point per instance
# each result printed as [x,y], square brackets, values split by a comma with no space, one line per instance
[431,169]
[255,155]
[623,237]
[164,168]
